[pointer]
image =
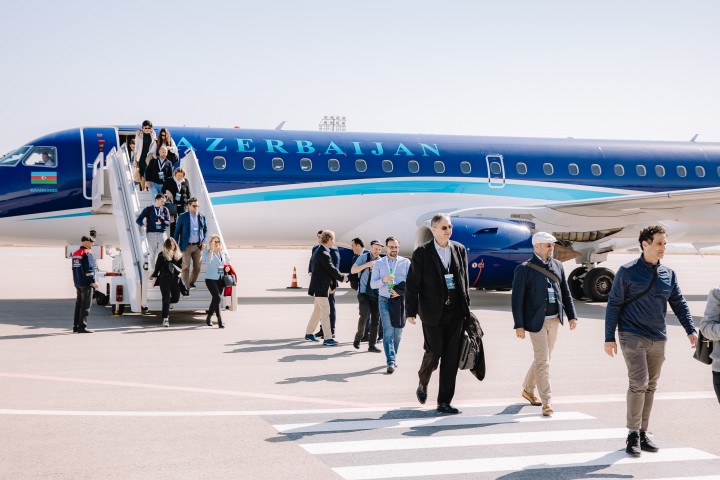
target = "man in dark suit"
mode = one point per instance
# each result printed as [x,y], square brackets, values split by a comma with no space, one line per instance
[190,234]
[324,278]
[538,302]
[437,289]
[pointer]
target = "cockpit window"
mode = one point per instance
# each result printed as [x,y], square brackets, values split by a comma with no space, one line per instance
[12,158]
[41,157]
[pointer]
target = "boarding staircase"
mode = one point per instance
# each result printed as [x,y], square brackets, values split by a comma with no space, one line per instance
[114,189]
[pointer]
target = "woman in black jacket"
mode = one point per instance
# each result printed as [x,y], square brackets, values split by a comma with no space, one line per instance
[167,271]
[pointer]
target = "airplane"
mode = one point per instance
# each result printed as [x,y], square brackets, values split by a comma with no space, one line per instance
[278,187]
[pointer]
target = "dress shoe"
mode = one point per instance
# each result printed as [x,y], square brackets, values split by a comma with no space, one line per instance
[421,394]
[220,323]
[208,321]
[84,330]
[633,444]
[373,349]
[320,334]
[390,369]
[330,342]
[192,285]
[356,344]
[447,408]
[647,445]
[75,329]
[144,310]
[530,397]
[547,410]
[311,338]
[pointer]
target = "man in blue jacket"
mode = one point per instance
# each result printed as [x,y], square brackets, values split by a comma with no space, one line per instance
[83,268]
[190,234]
[540,293]
[636,308]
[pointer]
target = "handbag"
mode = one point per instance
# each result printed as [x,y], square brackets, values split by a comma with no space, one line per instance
[468,352]
[703,349]
[229,280]
[172,208]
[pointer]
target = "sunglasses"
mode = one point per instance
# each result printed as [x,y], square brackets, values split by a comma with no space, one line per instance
[446,227]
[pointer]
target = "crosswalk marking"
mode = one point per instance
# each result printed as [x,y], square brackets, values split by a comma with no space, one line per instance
[485,465]
[463,441]
[427,422]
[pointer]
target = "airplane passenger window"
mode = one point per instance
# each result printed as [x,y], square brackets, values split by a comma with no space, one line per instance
[573,169]
[12,158]
[360,165]
[466,168]
[548,168]
[413,166]
[521,168]
[699,171]
[249,163]
[219,163]
[619,170]
[278,164]
[595,169]
[387,166]
[41,157]
[681,171]
[305,164]
[439,167]
[333,164]
[659,170]
[641,170]
[495,168]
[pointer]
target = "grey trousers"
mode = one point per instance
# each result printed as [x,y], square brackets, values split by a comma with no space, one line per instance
[644,359]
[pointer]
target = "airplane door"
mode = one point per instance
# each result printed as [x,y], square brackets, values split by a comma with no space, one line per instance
[94,140]
[496,170]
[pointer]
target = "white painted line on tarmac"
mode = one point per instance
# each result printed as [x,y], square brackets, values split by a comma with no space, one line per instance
[463,441]
[267,396]
[499,464]
[439,421]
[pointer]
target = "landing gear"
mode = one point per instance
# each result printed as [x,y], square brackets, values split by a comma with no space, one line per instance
[594,284]
[598,283]
[575,282]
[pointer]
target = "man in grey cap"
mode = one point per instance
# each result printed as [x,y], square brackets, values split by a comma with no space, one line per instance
[540,293]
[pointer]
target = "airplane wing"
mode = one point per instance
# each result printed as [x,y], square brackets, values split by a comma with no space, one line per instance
[610,215]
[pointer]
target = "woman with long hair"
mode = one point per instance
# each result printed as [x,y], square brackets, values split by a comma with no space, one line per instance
[167,271]
[164,138]
[214,259]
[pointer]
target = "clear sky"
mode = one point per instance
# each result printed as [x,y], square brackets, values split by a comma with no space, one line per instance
[646,69]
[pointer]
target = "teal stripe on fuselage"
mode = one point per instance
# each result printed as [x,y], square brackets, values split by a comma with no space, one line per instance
[82,214]
[416,186]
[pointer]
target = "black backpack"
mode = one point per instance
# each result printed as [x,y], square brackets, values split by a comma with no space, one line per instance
[354,277]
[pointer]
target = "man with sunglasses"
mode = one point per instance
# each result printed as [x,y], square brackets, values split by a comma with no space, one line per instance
[540,293]
[190,234]
[437,289]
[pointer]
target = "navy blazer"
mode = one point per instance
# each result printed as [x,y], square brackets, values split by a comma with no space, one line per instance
[425,284]
[530,293]
[325,274]
[182,229]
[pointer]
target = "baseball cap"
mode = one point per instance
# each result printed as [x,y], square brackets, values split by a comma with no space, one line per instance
[376,242]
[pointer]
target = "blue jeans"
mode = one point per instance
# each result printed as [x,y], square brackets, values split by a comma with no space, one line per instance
[391,335]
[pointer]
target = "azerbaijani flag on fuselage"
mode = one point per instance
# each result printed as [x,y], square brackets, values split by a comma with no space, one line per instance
[43,178]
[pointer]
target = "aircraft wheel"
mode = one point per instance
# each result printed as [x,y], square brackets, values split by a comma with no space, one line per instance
[118,309]
[598,283]
[575,282]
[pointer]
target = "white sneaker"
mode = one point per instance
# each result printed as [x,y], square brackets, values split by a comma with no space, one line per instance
[166,322]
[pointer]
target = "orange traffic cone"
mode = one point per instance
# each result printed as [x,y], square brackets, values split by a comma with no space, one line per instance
[294,283]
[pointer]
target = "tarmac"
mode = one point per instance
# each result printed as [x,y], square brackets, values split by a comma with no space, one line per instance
[254,400]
